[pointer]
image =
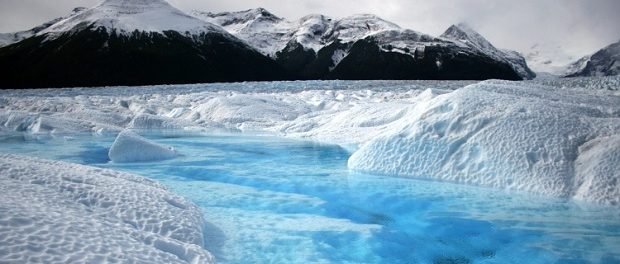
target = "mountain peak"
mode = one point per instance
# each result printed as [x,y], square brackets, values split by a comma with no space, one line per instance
[464,34]
[262,12]
[127,16]
[235,19]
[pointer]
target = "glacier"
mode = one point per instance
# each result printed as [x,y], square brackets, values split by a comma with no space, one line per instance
[550,137]
[58,212]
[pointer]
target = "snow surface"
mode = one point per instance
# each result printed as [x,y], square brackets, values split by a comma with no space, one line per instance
[131,147]
[525,136]
[58,212]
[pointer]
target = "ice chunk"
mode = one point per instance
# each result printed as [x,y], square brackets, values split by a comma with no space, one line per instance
[131,147]
[508,136]
[57,212]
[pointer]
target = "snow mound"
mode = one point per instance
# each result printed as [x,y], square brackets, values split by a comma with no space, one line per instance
[131,147]
[57,212]
[505,135]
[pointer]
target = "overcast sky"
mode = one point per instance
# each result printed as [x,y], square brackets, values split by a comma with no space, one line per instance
[580,26]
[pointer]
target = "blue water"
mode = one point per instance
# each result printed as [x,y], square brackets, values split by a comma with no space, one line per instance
[274,200]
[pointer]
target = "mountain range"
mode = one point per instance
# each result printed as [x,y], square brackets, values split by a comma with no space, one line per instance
[143,42]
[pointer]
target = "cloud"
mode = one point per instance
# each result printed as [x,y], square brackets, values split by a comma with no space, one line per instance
[580,26]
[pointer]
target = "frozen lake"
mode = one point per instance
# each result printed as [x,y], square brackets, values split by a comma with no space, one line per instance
[275,200]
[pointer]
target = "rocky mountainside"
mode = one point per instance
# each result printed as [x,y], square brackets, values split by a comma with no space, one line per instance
[605,62]
[466,35]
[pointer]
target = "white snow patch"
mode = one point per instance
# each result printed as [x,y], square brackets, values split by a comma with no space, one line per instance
[131,147]
[337,57]
[57,212]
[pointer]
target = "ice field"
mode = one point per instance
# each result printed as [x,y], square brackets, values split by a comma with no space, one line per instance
[329,171]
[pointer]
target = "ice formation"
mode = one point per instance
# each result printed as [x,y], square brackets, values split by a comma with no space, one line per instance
[555,137]
[57,212]
[131,147]
[506,136]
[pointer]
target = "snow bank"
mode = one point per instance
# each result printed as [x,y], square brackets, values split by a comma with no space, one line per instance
[57,212]
[131,147]
[506,135]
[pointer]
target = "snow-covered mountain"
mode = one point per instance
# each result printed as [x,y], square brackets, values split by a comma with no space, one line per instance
[464,34]
[10,38]
[315,45]
[127,16]
[605,62]
[132,42]
[141,42]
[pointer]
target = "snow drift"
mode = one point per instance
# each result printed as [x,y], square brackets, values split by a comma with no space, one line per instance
[131,147]
[508,136]
[57,212]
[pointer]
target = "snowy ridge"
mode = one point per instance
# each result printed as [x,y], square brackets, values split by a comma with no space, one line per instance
[468,37]
[551,137]
[271,34]
[360,26]
[125,17]
[258,27]
[58,212]
[10,38]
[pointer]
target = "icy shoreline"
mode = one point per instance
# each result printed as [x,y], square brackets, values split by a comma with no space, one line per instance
[58,212]
[549,137]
